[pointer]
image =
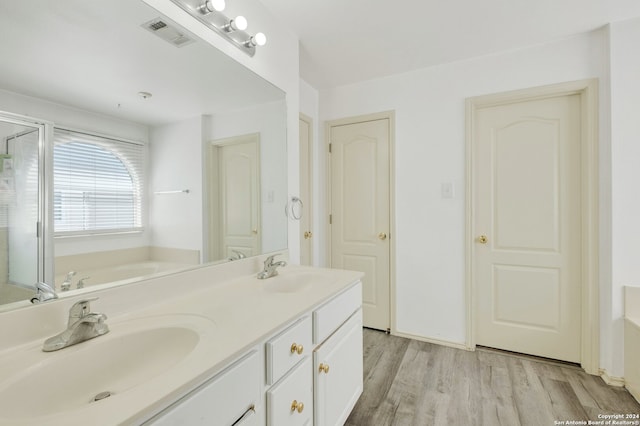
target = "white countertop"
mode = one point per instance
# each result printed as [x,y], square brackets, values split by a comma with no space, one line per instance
[241,313]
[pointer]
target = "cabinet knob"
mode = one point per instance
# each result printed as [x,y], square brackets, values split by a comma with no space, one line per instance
[295,348]
[297,406]
[308,235]
[324,368]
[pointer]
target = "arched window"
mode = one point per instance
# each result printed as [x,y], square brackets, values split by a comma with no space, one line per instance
[97,184]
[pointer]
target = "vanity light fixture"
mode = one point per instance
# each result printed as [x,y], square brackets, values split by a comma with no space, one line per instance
[257,40]
[238,24]
[214,5]
[209,12]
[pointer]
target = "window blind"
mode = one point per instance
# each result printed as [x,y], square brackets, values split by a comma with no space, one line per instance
[98,184]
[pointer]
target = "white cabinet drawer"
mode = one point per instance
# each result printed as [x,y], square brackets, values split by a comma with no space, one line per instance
[284,399]
[221,401]
[287,349]
[328,317]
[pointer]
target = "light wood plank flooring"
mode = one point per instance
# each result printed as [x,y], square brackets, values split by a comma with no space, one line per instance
[407,382]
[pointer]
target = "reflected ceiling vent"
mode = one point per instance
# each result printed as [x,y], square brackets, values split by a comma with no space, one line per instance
[168,32]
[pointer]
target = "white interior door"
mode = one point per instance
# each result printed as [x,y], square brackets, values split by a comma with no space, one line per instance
[360,211]
[527,226]
[306,192]
[239,192]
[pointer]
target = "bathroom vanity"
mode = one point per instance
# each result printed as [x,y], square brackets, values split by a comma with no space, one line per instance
[231,350]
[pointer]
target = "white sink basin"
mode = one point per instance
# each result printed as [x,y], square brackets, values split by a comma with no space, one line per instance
[289,282]
[130,355]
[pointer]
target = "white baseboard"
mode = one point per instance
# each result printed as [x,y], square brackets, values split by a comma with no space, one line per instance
[611,380]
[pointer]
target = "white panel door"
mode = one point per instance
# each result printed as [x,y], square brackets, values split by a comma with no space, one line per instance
[240,198]
[306,194]
[527,224]
[360,209]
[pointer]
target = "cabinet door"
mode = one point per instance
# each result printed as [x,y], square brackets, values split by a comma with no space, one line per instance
[222,401]
[338,373]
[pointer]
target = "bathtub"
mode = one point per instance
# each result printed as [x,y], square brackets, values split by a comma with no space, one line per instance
[632,340]
[121,273]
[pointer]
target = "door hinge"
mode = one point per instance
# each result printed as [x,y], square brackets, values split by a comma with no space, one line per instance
[330,219]
[330,147]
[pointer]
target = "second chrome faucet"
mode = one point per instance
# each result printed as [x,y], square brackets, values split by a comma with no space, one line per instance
[270,267]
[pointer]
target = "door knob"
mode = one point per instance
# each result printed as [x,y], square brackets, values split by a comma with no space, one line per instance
[255,232]
[382,236]
[297,406]
[482,239]
[308,235]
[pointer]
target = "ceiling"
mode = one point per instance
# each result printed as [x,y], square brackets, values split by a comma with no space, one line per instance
[96,56]
[343,42]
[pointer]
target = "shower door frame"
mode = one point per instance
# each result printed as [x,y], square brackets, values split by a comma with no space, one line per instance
[45,191]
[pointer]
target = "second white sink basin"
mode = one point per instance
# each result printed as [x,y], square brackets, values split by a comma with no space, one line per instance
[131,354]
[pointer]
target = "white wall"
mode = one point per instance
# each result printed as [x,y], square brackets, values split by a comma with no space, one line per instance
[625,176]
[175,151]
[429,150]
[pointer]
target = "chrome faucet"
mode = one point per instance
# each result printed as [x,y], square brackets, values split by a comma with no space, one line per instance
[270,267]
[66,284]
[80,283]
[238,255]
[44,292]
[82,325]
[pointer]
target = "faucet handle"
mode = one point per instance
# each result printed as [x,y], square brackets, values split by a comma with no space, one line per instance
[269,260]
[80,309]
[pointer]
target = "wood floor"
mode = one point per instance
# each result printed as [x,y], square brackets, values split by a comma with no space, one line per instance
[407,382]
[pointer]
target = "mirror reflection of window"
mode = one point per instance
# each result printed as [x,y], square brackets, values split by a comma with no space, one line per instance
[97,184]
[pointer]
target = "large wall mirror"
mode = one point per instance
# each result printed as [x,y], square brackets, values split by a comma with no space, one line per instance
[158,152]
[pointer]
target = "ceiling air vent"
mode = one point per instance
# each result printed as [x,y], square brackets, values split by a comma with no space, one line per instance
[167,32]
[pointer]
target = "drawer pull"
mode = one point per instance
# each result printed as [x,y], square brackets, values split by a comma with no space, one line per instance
[295,348]
[297,406]
[324,368]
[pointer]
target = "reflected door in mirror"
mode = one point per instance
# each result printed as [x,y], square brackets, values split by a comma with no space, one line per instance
[238,182]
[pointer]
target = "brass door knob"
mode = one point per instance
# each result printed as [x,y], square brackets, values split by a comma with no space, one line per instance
[255,232]
[382,236]
[482,239]
[297,406]
[323,368]
[308,235]
[295,348]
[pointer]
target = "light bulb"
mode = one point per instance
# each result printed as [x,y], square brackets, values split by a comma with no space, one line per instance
[217,5]
[259,39]
[240,23]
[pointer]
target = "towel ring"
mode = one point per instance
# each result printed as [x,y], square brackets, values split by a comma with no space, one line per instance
[293,209]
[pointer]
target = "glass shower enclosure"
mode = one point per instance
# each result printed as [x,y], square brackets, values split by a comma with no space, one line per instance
[22,207]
